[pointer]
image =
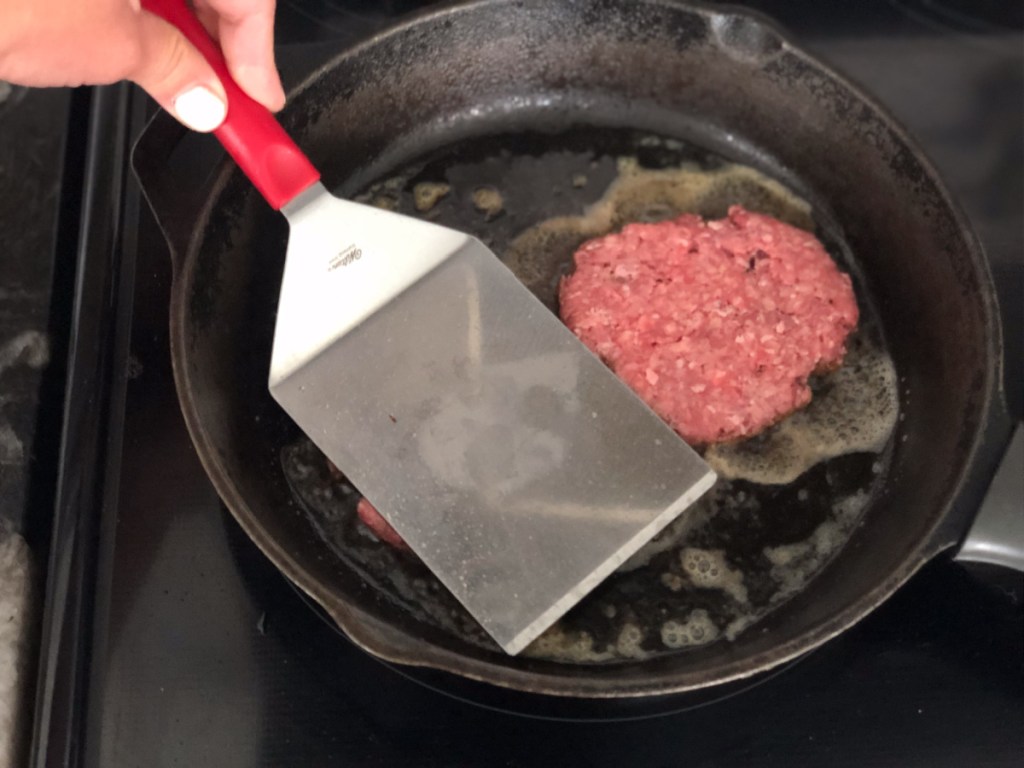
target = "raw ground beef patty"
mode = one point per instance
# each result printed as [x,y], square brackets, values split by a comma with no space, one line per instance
[381,528]
[715,324]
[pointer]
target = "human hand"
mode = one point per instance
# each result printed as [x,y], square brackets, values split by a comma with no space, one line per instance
[96,42]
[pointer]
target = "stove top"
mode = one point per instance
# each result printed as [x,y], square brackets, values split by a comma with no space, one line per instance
[170,640]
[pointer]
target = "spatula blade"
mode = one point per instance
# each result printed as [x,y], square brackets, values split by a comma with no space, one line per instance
[509,458]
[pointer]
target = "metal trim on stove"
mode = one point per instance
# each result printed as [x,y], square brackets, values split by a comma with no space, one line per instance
[64,662]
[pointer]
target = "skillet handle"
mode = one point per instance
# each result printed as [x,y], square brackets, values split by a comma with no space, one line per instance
[997,534]
[250,134]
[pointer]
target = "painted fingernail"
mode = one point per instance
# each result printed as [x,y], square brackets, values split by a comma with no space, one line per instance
[200,109]
[262,84]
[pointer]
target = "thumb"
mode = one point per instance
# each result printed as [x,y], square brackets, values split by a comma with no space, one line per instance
[176,75]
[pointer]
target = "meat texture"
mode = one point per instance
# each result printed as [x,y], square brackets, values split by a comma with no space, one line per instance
[717,325]
[381,528]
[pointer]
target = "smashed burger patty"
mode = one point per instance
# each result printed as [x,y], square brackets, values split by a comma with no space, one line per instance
[717,325]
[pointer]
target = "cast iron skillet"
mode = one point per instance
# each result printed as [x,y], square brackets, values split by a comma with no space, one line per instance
[720,78]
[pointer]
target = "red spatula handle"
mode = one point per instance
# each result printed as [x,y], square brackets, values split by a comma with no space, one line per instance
[249,133]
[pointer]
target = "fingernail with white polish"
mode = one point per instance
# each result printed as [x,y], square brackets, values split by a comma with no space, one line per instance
[200,109]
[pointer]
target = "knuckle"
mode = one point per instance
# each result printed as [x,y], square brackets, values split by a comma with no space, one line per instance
[159,60]
[171,60]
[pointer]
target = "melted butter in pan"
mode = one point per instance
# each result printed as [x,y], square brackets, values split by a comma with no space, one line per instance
[854,410]
[542,254]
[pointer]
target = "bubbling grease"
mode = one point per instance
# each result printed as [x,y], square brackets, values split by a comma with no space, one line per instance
[696,629]
[709,569]
[854,411]
[794,564]
[558,644]
[385,195]
[427,194]
[488,201]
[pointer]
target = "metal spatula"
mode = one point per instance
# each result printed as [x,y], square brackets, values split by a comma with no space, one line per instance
[509,458]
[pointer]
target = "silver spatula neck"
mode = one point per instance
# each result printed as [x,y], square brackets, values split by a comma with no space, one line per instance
[345,260]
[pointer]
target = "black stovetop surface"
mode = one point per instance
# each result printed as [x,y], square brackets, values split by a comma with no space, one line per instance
[174,642]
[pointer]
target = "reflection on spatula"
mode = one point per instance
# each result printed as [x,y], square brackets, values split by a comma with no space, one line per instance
[509,458]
